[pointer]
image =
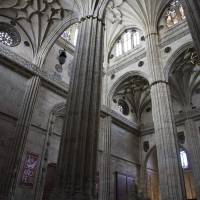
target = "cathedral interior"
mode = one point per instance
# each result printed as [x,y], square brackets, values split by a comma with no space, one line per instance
[100,100]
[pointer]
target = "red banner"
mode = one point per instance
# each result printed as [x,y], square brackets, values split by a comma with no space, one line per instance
[29,169]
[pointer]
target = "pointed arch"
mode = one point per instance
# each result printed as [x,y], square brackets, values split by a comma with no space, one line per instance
[123,78]
[169,64]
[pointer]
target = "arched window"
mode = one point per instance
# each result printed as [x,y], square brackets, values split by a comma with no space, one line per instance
[71,34]
[174,13]
[126,42]
[184,160]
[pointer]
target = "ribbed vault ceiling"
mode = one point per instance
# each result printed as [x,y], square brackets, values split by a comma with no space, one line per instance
[121,14]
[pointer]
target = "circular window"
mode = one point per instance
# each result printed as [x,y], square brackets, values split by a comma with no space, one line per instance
[123,107]
[9,35]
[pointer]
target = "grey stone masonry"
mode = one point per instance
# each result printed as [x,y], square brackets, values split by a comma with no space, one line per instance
[170,173]
[105,160]
[9,178]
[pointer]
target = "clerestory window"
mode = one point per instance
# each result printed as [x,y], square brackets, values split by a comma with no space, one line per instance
[129,40]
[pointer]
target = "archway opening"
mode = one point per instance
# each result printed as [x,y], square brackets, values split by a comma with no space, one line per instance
[152,176]
[131,99]
[188,176]
[184,85]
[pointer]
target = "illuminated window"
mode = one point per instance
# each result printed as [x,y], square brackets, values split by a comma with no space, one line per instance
[184,160]
[9,35]
[123,107]
[5,38]
[75,36]
[136,38]
[126,42]
[174,13]
[118,49]
[71,34]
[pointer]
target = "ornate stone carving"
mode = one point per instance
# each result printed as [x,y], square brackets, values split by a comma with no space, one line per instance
[136,91]
[113,14]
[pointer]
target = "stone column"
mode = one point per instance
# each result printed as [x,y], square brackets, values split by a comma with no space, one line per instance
[193,147]
[104,189]
[170,172]
[192,10]
[77,157]
[10,175]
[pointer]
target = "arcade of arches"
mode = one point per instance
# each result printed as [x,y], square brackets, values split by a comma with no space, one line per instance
[100,99]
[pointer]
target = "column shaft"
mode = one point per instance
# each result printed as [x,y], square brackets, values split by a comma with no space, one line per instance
[105,163]
[10,175]
[170,173]
[78,149]
[192,10]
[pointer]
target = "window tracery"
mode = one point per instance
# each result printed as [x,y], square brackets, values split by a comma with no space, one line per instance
[174,13]
[126,42]
[123,107]
[9,35]
[71,34]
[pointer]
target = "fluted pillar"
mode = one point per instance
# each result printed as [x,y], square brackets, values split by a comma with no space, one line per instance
[10,174]
[193,147]
[78,150]
[105,164]
[170,172]
[192,10]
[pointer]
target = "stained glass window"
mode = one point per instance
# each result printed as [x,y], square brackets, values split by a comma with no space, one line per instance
[174,13]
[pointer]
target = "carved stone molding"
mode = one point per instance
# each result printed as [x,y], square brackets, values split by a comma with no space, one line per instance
[174,34]
[119,118]
[37,18]
[132,58]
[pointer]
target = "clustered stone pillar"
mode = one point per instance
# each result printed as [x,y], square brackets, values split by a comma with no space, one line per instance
[10,175]
[76,168]
[193,147]
[105,164]
[170,172]
[192,10]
